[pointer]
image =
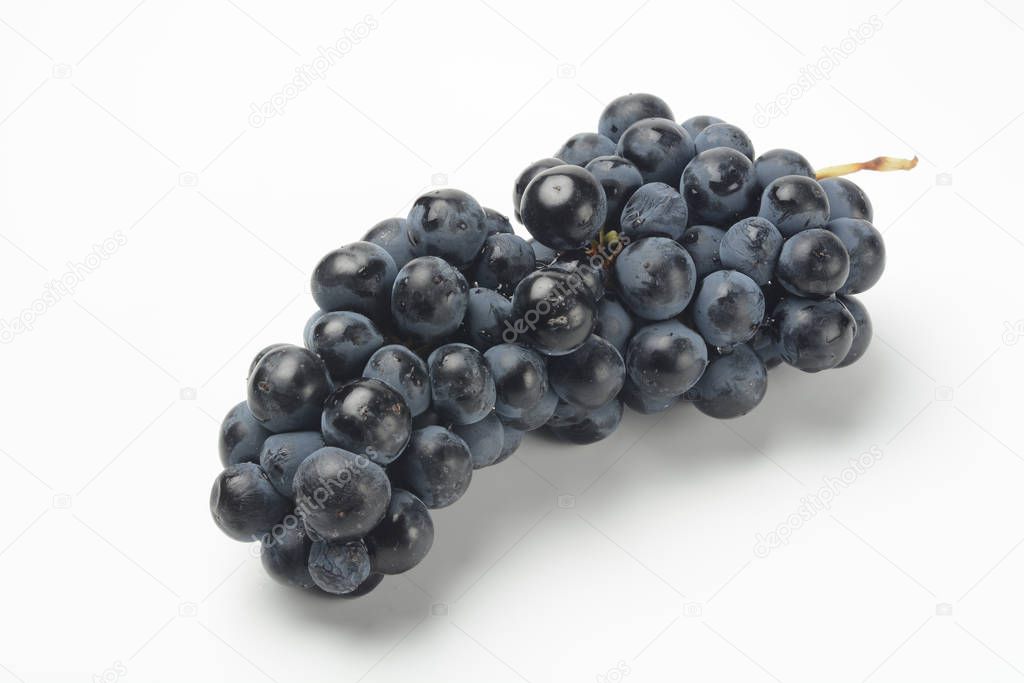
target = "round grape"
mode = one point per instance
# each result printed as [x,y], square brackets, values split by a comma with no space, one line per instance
[429,299]
[552,311]
[356,277]
[241,436]
[392,235]
[866,249]
[436,466]
[285,554]
[339,567]
[287,388]
[665,359]
[620,178]
[448,223]
[564,207]
[590,376]
[793,203]
[814,335]
[340,495]
[624,111]
[733,384]
[245,504]
[776,163]
[524,178]
[703,244]
[369,417]
[582,148]
[485,439]
[404,537]
[504,260]
[847,200]
[724,135]
[460,383]
[813,264]
[344,341]
[403,371]
[719,186]
[862,337]
[659,148]
[729,308]
[520,377]
[655,209]
[656,277]
[597,425]
[282,454]
[752,247]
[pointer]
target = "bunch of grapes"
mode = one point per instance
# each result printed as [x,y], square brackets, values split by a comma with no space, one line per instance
[667,264]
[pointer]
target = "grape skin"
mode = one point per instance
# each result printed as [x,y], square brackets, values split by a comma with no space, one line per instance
[624,111]
[729,308]
[866,250]
[724,135]
[403,371]
[658,147]
[656,278]
[582,148]
[429,299]
[655,209]
[732,386]
[590,376]
[436,466]
[752,246]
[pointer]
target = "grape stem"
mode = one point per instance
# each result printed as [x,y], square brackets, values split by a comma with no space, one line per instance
[876,164]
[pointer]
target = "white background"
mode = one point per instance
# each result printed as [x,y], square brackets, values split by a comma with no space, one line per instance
[631,559]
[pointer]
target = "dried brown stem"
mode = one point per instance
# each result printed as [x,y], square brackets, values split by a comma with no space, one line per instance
[876,164]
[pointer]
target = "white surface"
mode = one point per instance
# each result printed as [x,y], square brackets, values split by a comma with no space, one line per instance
[646,565]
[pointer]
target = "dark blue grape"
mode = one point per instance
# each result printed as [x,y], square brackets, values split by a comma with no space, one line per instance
[719,187]
[356,277]
[245,504]
[614,323]
[429,299]
[450,224]
[543,255]
[403,371]
[566,414]
[404,537]
[282,454]
[367,416]
[520,377]
[344,341]
[814,335]
[284,553]
[655,209]
[486,317]
[553,311]
[485,439]
[776,163]
[659,147]
[695,125]
[460,383]
[590,376]
[733,384]
[620,178]
[793,203]
[597,425]
[813,263]
[368,584]
[752,246]
[564,207]
[729,308]
[583,148]
[624,111]
[287,388]
[766,347]
[513,439]
[724,135]
[241,436]
[862,337]
[846,199]
[436,466]
[531,418]
[524,178]
[589,268]
[643,403]
[496,223]
[392,234]
[703,243]
[504,260]
[656,277]
[307,337]
[340,495]
[665,359]
[866,249]
[339,567]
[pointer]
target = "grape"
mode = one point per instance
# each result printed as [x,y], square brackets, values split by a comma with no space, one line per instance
[597,425]
[404,537]
[776,163]
[766,348]
[285,554]
[344,341]
[752,247]
[624,111]
[450,224]
[724,135]
[665,359]
[428,418]
[241,436]
[566,414]
[659,148]
[719,186]
[286,389]
[520,377]
[282,454]
[487,317]
[367,416]
[590,376]
[513,438]
[340,495]
[655,209]
[695,125]
[356,277]
[847,200]
[307,338]
[813,264]
[429,299]
[793,203]
[460,383]
[403,371]
[524,178]
[504,260]
[542,255]
[589,268]
[436,466]
[552,311]
[583,148]
[862,337]
[866,249]
[729,308]
[495,223]
[531,418]
[613,323]
[485,439]
[656,277]
[640,402]
[340,567]
[733,384]
[703,243]
[392,234]
[814,335]
[620,178]
[244,503]
[564,207]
